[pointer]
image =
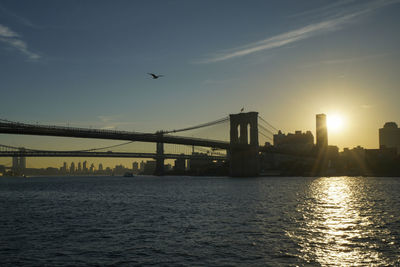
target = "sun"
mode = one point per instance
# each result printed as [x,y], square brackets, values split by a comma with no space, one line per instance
[335,123]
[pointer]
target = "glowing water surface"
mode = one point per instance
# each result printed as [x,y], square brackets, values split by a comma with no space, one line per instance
[344,223]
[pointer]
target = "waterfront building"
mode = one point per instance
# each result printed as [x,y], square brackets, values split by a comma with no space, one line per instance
[298,141]
[321,131]
[63,168]
[72,168]
[150,167]
[91,170]
[135,167]
[85,168]
[389,136]
[180,165]
[142,164]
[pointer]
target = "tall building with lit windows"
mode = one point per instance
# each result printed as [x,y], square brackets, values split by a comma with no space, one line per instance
[321,131]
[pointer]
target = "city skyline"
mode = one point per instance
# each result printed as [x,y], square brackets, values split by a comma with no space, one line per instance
[284,59]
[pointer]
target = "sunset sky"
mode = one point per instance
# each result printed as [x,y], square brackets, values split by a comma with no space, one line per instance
[85,63]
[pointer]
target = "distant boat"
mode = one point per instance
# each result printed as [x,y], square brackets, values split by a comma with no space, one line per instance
[129,174]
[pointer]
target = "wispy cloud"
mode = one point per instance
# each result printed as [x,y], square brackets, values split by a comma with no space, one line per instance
[333,8]
[284,39]
[14,40]
[19,19]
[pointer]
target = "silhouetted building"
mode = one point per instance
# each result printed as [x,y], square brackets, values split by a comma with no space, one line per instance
[79,167]
[142,164]
[85,168]
[91,170]
[302,142]
[120,169]
[198,165]
[383,161]
[100,167]
[135,167]
[321,131]
[64,168]
[389,136]
[167,167]
[180,165]
[150,167]
[72,168]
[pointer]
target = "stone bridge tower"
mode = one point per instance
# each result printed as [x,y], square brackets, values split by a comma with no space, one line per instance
[244,160]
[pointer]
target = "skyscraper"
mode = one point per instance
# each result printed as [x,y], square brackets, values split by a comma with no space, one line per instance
[142,164]
[135,167]
[321,131]
[91,169]
[389,136]
[85,168]
[72,168]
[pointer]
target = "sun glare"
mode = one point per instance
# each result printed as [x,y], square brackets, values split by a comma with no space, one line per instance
[335,123]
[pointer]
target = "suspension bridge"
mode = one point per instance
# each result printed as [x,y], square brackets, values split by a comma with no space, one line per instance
[242,148]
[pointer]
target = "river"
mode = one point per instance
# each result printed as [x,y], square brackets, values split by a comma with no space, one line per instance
[200,221]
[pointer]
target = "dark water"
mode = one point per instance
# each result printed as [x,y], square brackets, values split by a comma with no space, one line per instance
[187,221]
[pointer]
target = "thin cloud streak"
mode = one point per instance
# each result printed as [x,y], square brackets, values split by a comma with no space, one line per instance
[19,19]
[12,39]
[297,35]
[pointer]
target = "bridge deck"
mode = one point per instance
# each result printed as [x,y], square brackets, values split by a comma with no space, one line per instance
[104,155]
[30,129]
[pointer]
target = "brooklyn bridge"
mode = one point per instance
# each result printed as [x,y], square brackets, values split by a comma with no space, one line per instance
[241,150]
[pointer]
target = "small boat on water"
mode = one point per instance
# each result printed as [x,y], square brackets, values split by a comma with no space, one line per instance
[128,174]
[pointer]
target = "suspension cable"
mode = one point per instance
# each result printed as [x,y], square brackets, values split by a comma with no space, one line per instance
[84,150]
[265,129]
[266,136]
[269,124]
[198,126]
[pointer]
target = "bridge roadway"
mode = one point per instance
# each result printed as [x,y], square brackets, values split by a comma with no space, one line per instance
[45,130]
[105,155]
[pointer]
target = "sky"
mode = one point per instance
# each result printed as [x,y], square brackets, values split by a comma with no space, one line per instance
[85,63]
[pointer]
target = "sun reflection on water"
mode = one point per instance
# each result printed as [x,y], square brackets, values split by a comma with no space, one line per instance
[339,226]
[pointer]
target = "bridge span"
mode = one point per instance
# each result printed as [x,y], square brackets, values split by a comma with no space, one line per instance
[28,153]
[242,149]
[159,137]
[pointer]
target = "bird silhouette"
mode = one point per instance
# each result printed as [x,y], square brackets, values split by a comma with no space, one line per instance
[155,76]
[242,109]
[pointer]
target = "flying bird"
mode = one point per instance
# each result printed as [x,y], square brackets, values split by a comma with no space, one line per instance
[155,76]
[242,109]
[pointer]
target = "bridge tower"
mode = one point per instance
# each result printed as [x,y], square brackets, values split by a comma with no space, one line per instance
[19,163]
[160,154]
[244,160]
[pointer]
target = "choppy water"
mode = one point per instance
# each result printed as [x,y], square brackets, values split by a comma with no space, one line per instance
[200,221]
